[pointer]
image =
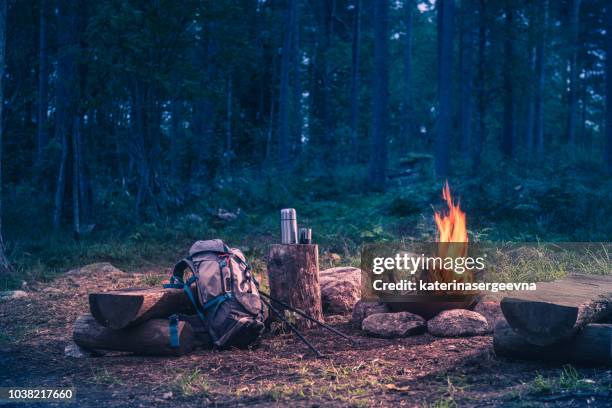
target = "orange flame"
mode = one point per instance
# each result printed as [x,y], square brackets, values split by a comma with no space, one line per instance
[452,236]
[452,227]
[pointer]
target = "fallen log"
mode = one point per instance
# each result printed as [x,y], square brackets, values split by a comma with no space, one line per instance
[293,273]
[124,308]
[557,310]
[150,338]
[590,346]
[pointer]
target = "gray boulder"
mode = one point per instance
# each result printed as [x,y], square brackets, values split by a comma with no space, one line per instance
[13,294]
[391,325]
[491,310]
[73,350]
[363,309]
[458,323]
[340,288]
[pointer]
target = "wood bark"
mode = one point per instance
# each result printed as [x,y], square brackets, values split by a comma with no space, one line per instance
[608,114]
[572,93]
[538,127]
[151,338]
[467,69]
[4,263]
[557,310]
[380,97]
[297,81]
[229,117]
[42,136]
[407,125]
[65,95]
[176,136]
[293,273]
[129,307]
[355,77]
[445,72]
[480,135]
[76,207]
[283,102]
[508,122]
[591,346]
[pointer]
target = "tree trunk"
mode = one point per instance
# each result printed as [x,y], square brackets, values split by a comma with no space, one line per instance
[608,114]
[293,274]
[529,122]
[283,102]
[66,86]
[123,308]
[508,125]
[482,43]
[446,11]
[297,81]
[42,135]
[557,310]
[228,117]
[4,263]
[538,104]
[176,138]
[138,148]
[380,97]
[407,124]
[151,338]
[76,207]
[572,95]
[467,80]
[355,78]
[591,346]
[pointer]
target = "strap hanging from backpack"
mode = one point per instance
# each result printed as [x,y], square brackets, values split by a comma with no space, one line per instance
[173,331]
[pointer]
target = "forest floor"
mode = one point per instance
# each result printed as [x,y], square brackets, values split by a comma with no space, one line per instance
[419,371]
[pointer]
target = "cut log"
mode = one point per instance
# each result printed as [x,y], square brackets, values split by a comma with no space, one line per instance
[151,338]
[201,336]
[590,346]
[557,310]
[124,308]
[293,273]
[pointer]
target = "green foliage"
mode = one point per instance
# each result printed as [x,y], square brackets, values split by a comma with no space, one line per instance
[342,217]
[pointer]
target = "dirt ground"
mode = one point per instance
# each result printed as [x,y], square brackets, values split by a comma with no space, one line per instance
[421,371]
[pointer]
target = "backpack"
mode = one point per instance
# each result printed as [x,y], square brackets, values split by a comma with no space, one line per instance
[223,291]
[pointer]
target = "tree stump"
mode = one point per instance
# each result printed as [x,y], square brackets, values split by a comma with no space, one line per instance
[123,308]
[293,273]
[150,338]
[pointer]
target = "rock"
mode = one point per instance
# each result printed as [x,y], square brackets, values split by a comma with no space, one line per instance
[226,215]
[193,218]
[51,290]
[99,268]
[72,350]
[491,310]
[391,325]
[13,294]
[363,309]
[337,319]
[340,288]
[167,395]
[458,323]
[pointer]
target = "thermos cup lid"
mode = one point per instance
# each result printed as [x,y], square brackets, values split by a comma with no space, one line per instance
[288,214]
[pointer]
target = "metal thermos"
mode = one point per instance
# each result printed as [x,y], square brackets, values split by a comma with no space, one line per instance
[288,226]
[305,236]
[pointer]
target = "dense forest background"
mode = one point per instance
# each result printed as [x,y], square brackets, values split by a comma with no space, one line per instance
[131,128]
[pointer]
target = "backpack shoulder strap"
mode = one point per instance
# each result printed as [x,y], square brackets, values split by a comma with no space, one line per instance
[178,273]
[177,282]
